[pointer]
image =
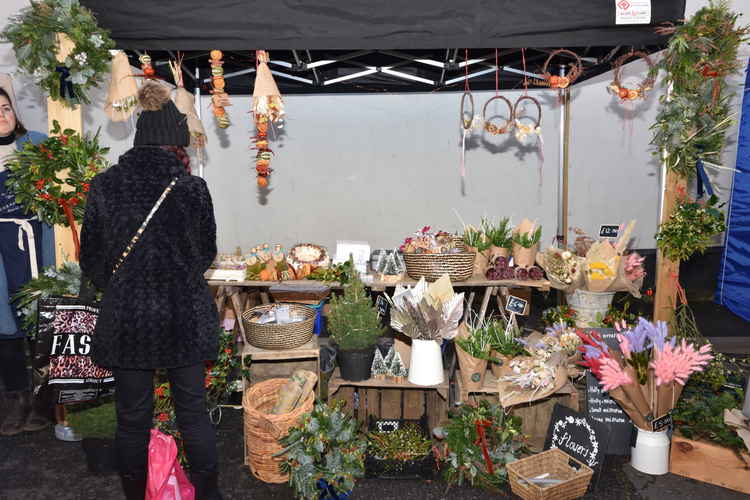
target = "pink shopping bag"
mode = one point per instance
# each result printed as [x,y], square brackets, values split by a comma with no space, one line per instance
[166,479]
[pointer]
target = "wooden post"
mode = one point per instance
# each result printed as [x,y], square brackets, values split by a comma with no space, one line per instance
[71,118]
[667,271]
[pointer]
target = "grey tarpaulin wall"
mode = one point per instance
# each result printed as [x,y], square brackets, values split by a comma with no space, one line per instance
[373,24]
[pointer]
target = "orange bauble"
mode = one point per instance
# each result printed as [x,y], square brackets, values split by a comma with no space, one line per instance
[623,93]
[262,181]
[216,54]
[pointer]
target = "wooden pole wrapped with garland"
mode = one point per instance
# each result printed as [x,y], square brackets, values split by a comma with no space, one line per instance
[690,130]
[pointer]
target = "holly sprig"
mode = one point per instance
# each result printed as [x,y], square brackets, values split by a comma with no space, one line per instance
[56,173]
[691,228]
[33,35]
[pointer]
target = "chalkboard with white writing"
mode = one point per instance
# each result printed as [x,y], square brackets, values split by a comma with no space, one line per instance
[609,230]
[604,409]
[516,305]
[577,435]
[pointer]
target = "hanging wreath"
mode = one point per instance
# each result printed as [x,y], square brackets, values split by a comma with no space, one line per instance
[467,122]
[33,35]
[561,82]
[625,93]
[524,130]
[491,127]
[35,176]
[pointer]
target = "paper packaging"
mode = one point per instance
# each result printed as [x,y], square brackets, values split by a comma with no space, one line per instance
[524,257]
[481,261]
[469,364]
[359,251]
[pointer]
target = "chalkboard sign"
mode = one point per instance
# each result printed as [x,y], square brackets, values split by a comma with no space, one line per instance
[382,306]
[577,435]
[604,409]
[662,422]
[609,230]
[515,305]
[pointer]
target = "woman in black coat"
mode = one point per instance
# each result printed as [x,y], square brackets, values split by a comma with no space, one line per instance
[157,311]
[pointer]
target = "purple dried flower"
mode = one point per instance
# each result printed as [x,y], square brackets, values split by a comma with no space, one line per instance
[656,333]
[637,337]
[591,351]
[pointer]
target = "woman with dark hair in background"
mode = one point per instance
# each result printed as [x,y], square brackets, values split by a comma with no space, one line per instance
[26,246]
[157,311]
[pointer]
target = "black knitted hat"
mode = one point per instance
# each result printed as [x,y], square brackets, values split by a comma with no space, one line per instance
[160,123]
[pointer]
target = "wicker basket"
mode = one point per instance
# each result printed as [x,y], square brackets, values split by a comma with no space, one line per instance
[575,475]
[459,266]
[262,430]
[279,337]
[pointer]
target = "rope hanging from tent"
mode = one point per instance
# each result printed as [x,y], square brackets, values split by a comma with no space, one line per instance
[525,132]
[466,124]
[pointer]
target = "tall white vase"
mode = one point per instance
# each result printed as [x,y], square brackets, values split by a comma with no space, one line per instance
[426,363]
[651,452]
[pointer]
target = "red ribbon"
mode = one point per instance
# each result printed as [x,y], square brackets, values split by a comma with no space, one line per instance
[482,441]
[68,209]
[680,291]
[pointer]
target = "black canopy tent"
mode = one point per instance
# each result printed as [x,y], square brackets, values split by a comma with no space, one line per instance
[415,41]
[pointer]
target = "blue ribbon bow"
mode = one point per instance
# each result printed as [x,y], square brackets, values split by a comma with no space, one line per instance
[328,492]
[66,86]
[703,180]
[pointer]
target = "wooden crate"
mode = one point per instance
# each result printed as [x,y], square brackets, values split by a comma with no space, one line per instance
[710,463]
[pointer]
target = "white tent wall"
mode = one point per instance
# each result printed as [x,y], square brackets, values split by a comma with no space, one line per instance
[376,167]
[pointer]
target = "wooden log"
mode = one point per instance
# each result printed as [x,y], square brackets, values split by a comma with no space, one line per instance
[71,118]
[667,271]
[710,463]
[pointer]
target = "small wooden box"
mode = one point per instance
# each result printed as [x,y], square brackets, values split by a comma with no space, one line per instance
[710,463]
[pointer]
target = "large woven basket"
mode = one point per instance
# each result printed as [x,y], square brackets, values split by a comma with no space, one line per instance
[458,266]
[262,430]
[559,465]
[279,337]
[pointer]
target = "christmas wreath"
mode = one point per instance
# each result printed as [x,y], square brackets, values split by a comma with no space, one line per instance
[33,35]
[35,176]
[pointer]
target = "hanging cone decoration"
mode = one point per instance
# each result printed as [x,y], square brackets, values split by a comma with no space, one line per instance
[185,103]
[219,98]
[268,109]
[123,91]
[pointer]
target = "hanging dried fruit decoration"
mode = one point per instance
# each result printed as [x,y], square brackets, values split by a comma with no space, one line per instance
[219,98]
[146,67]
[561,82]
[268,109]
[625,93]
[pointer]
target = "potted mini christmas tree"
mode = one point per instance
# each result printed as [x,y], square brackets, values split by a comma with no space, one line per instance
[354,325]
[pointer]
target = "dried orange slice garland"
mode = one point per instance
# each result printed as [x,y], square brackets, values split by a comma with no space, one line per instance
[219,98]
[268,109]
[625,93]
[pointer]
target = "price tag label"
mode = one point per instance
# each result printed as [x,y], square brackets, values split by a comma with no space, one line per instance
[661,422]
[515,305]
[609,230]
[382,306]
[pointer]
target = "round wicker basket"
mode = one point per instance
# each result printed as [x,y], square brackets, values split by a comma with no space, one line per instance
[262,430]
[458,266]
[279,337]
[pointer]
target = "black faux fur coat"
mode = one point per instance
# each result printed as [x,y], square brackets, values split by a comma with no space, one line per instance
[157,311]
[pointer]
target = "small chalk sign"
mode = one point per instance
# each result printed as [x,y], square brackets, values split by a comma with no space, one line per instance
[577,435]
[382,306]
[515,305]
[661,422]
[609,230]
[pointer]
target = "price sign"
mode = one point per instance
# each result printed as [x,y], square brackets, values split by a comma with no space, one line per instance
[661,422]
[609,230]
[515,305]
[382,306]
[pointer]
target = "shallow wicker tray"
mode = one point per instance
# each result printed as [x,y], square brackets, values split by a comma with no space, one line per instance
[279,337]
[575,475]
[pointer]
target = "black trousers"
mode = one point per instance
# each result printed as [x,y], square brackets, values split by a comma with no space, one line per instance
[13,372]
[134,401]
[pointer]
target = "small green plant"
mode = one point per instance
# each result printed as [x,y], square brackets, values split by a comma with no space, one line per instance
[691,228]
[326,448]
[504,340]
[476,238]
[477,343]
[405,443]
[616,315]
[341,273]
[528,240]
[499,234]
[353,321]
[559,314]
[699,413]
[479,457]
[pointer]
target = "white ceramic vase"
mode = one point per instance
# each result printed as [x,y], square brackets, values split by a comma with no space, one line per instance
[426,363]
[650,454]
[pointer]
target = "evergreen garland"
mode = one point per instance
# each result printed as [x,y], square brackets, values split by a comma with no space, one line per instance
[690,228]
[33,35]
[692,123]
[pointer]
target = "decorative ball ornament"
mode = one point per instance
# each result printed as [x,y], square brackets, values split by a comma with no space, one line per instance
[561,82]
[491,127]
[625,93]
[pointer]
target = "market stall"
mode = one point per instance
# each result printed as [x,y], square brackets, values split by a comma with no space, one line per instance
[481,359]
